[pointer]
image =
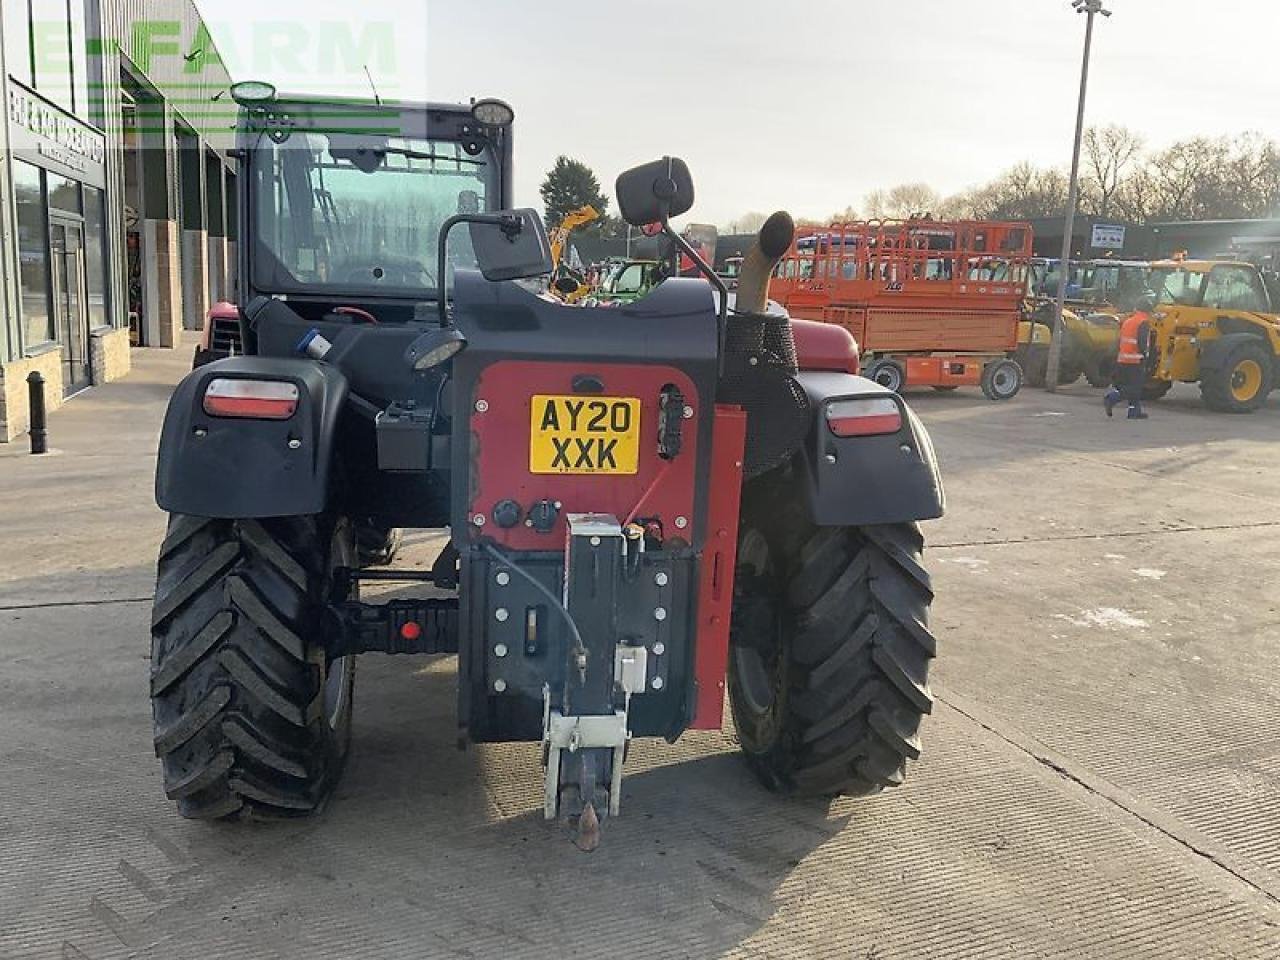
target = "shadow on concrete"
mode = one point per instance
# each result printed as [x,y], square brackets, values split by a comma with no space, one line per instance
[453,843]
[696,836]
[692,865]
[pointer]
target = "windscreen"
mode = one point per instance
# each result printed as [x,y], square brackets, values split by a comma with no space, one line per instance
[341,213]
[1175,285]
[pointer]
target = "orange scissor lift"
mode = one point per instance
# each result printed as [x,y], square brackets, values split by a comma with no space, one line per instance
[931,303]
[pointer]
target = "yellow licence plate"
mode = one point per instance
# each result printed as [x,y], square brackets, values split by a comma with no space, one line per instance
[578,434]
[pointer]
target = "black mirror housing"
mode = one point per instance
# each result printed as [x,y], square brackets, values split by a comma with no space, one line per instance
[654,192]
[511,245]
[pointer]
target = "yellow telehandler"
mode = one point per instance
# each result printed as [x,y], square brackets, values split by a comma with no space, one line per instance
[1215,323]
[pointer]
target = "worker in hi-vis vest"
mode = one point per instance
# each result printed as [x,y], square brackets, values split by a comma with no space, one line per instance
[1131,361]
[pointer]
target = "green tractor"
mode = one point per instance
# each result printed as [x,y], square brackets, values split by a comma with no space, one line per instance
[630,280]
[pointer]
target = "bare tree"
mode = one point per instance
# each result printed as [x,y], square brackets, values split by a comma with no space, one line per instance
[1251,177]
[1022,192]
[1180,174]
[1206,179]
[958,206]
[1109,152]
[1199,178]
[904,200]
[746,223]
[1135,199]
[876,203]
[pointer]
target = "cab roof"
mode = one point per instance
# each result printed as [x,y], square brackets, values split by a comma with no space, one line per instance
[1199,266]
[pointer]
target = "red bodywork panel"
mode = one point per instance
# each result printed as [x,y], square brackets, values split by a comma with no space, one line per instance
[715,578]
[500,451]
[222,310]
[824,346]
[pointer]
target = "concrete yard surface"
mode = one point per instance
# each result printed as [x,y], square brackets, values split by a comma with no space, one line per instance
[1100,777]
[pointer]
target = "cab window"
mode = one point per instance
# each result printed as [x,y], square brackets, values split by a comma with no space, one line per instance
[630,279]
[1177,286]
[1235,288]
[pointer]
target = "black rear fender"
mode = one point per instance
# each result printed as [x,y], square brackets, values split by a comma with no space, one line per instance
[863,480]
[212,466]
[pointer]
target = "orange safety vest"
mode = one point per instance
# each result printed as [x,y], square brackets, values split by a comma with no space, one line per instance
[1131,352]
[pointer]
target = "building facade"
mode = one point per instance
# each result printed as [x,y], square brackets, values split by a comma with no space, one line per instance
[116,214]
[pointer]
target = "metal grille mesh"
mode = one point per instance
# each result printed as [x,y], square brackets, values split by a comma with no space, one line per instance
[759,376]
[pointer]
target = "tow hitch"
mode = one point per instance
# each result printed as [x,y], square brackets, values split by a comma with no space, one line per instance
[584,733]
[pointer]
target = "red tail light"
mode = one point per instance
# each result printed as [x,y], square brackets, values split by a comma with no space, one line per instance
[864,416]
[254,399]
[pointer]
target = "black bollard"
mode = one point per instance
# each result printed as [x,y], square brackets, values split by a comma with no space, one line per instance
[39,429]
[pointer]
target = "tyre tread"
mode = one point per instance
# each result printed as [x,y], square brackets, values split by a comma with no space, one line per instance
[236,688]
[860,646]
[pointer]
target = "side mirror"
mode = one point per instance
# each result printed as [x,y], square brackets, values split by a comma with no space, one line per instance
[654,192]
[511,245]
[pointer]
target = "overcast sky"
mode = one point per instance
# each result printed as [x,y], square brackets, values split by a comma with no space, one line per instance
[799,105]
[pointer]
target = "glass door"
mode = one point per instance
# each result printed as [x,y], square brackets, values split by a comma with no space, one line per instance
[71,317]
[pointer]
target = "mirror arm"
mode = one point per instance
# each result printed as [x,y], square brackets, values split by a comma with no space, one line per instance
[510,225]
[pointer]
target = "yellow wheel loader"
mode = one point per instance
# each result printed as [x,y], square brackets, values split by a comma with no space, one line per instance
[1099,294]
[1035,334]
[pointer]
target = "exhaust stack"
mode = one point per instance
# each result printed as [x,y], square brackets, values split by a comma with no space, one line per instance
[773,240]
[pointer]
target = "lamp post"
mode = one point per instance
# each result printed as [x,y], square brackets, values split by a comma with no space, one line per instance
[1090,8]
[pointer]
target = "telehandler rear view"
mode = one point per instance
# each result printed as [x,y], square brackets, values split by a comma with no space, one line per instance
[645,502]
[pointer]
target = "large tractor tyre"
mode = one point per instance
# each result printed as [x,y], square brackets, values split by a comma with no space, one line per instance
[1099,373]
[1069,371]
[377,544]
[829,659]
[1156,389]
[251,718]
[1034,360]
[1001,380]
[1242,382]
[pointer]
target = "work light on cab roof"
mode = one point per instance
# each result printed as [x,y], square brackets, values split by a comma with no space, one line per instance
[493,112]
[250,93]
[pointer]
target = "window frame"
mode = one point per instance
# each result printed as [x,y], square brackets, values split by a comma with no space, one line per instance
[29,347]
[1175,302]
[1255,286]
